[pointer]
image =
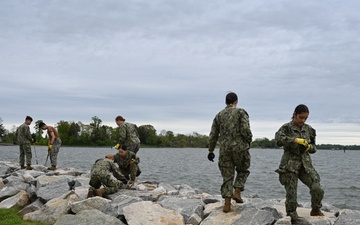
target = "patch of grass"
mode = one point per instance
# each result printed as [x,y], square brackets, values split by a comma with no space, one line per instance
[10,217]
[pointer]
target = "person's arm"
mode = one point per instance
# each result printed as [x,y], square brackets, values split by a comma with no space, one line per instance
[245,126]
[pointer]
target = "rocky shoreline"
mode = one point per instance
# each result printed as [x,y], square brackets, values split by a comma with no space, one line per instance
[59,197]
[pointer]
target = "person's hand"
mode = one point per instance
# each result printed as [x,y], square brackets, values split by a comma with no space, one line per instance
[305,145]
[117,146]
[211,156]
[49,148]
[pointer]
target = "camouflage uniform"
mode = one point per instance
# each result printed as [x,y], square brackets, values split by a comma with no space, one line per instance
[231,126]
[128,165]
[296,164]
[54,151]
[129,136]
[104,172]
[24,140]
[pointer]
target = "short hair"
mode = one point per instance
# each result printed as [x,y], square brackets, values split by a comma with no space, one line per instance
[29,118]
[119,118]
[41,124]
[301,109]
[231,98]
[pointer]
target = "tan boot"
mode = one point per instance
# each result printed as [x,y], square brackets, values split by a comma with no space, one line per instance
[100,192]
[316,212]
[52,168]
[237,196]
[28,167]
[227,205]
[22,167]
[91,192]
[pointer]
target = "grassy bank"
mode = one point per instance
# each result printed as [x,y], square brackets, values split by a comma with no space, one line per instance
[10,217]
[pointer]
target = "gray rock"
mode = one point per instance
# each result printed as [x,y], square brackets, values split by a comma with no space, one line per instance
[90,203]
[146,212]
[12,188]
[53,190]
[19,200]
[190,209]
[88,217]
[348,217]
[36,205]
[115,208]
[53,209]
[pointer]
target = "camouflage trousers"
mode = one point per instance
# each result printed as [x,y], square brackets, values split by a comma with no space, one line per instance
[290,181]
[25,151]
[134,148]
[54,151]
[110,183]
[229,162]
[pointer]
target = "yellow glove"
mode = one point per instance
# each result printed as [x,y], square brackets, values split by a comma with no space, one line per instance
[117,146]
[50,147]
[302,141]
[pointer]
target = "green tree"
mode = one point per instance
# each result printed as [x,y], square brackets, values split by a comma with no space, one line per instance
[2,130]
[147,135]
[63,128]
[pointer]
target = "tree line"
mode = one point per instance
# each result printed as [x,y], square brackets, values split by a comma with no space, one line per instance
[97,134]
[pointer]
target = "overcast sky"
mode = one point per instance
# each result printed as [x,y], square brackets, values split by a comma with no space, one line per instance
[170,63]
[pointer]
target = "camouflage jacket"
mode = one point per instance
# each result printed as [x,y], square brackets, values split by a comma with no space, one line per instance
[128,134]
[23,134]
[106,166]
[294,155]
[127,163]
[232,128]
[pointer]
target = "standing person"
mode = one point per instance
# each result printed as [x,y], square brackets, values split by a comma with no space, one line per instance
[54,144]
[128,163]
[231,126]
[128,135]
[25,139]
[298,140]
[104,172]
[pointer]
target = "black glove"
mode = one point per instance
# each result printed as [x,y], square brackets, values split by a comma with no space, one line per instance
[211,156]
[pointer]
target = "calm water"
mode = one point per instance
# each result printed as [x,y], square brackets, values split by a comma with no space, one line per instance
[339,171]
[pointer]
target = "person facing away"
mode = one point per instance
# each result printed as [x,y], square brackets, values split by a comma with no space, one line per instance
[128,164]
[128,135]
[24,140]
[231,127]
[298,140]
[54,143]
[105,172]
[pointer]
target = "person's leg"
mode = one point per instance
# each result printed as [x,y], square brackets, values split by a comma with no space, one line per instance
[28,155]
[290,182]
[22,157]
[242,165]
[227,170]
[312,181]
[54,153]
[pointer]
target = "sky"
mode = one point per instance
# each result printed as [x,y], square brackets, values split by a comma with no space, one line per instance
[171,63]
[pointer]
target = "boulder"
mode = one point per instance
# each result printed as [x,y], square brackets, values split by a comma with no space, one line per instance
[348,217]
[90,203]
[146,212]
[36,205]
[88,217]
[19,200]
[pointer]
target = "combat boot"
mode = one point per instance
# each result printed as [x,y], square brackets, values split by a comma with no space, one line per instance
[28,167]
[52,168]
[100,192]
[237,196]
[316,212]
[227,205]
[91,192]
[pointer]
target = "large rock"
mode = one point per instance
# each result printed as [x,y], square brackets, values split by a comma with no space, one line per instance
[115,208]
[348,217]
[53,190]
[88,217]
[90,203]
[190,209]
[53,209]
[19,200]
[150,213]
[36,205]
[12,188]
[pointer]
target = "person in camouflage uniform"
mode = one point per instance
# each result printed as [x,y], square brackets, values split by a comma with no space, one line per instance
[298,140]
[128,163]
[128,135]
[105,172]
[24,140]
[231,127]
[54,144]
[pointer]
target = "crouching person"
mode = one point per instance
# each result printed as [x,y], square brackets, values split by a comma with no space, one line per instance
[105,172]
[128,164]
